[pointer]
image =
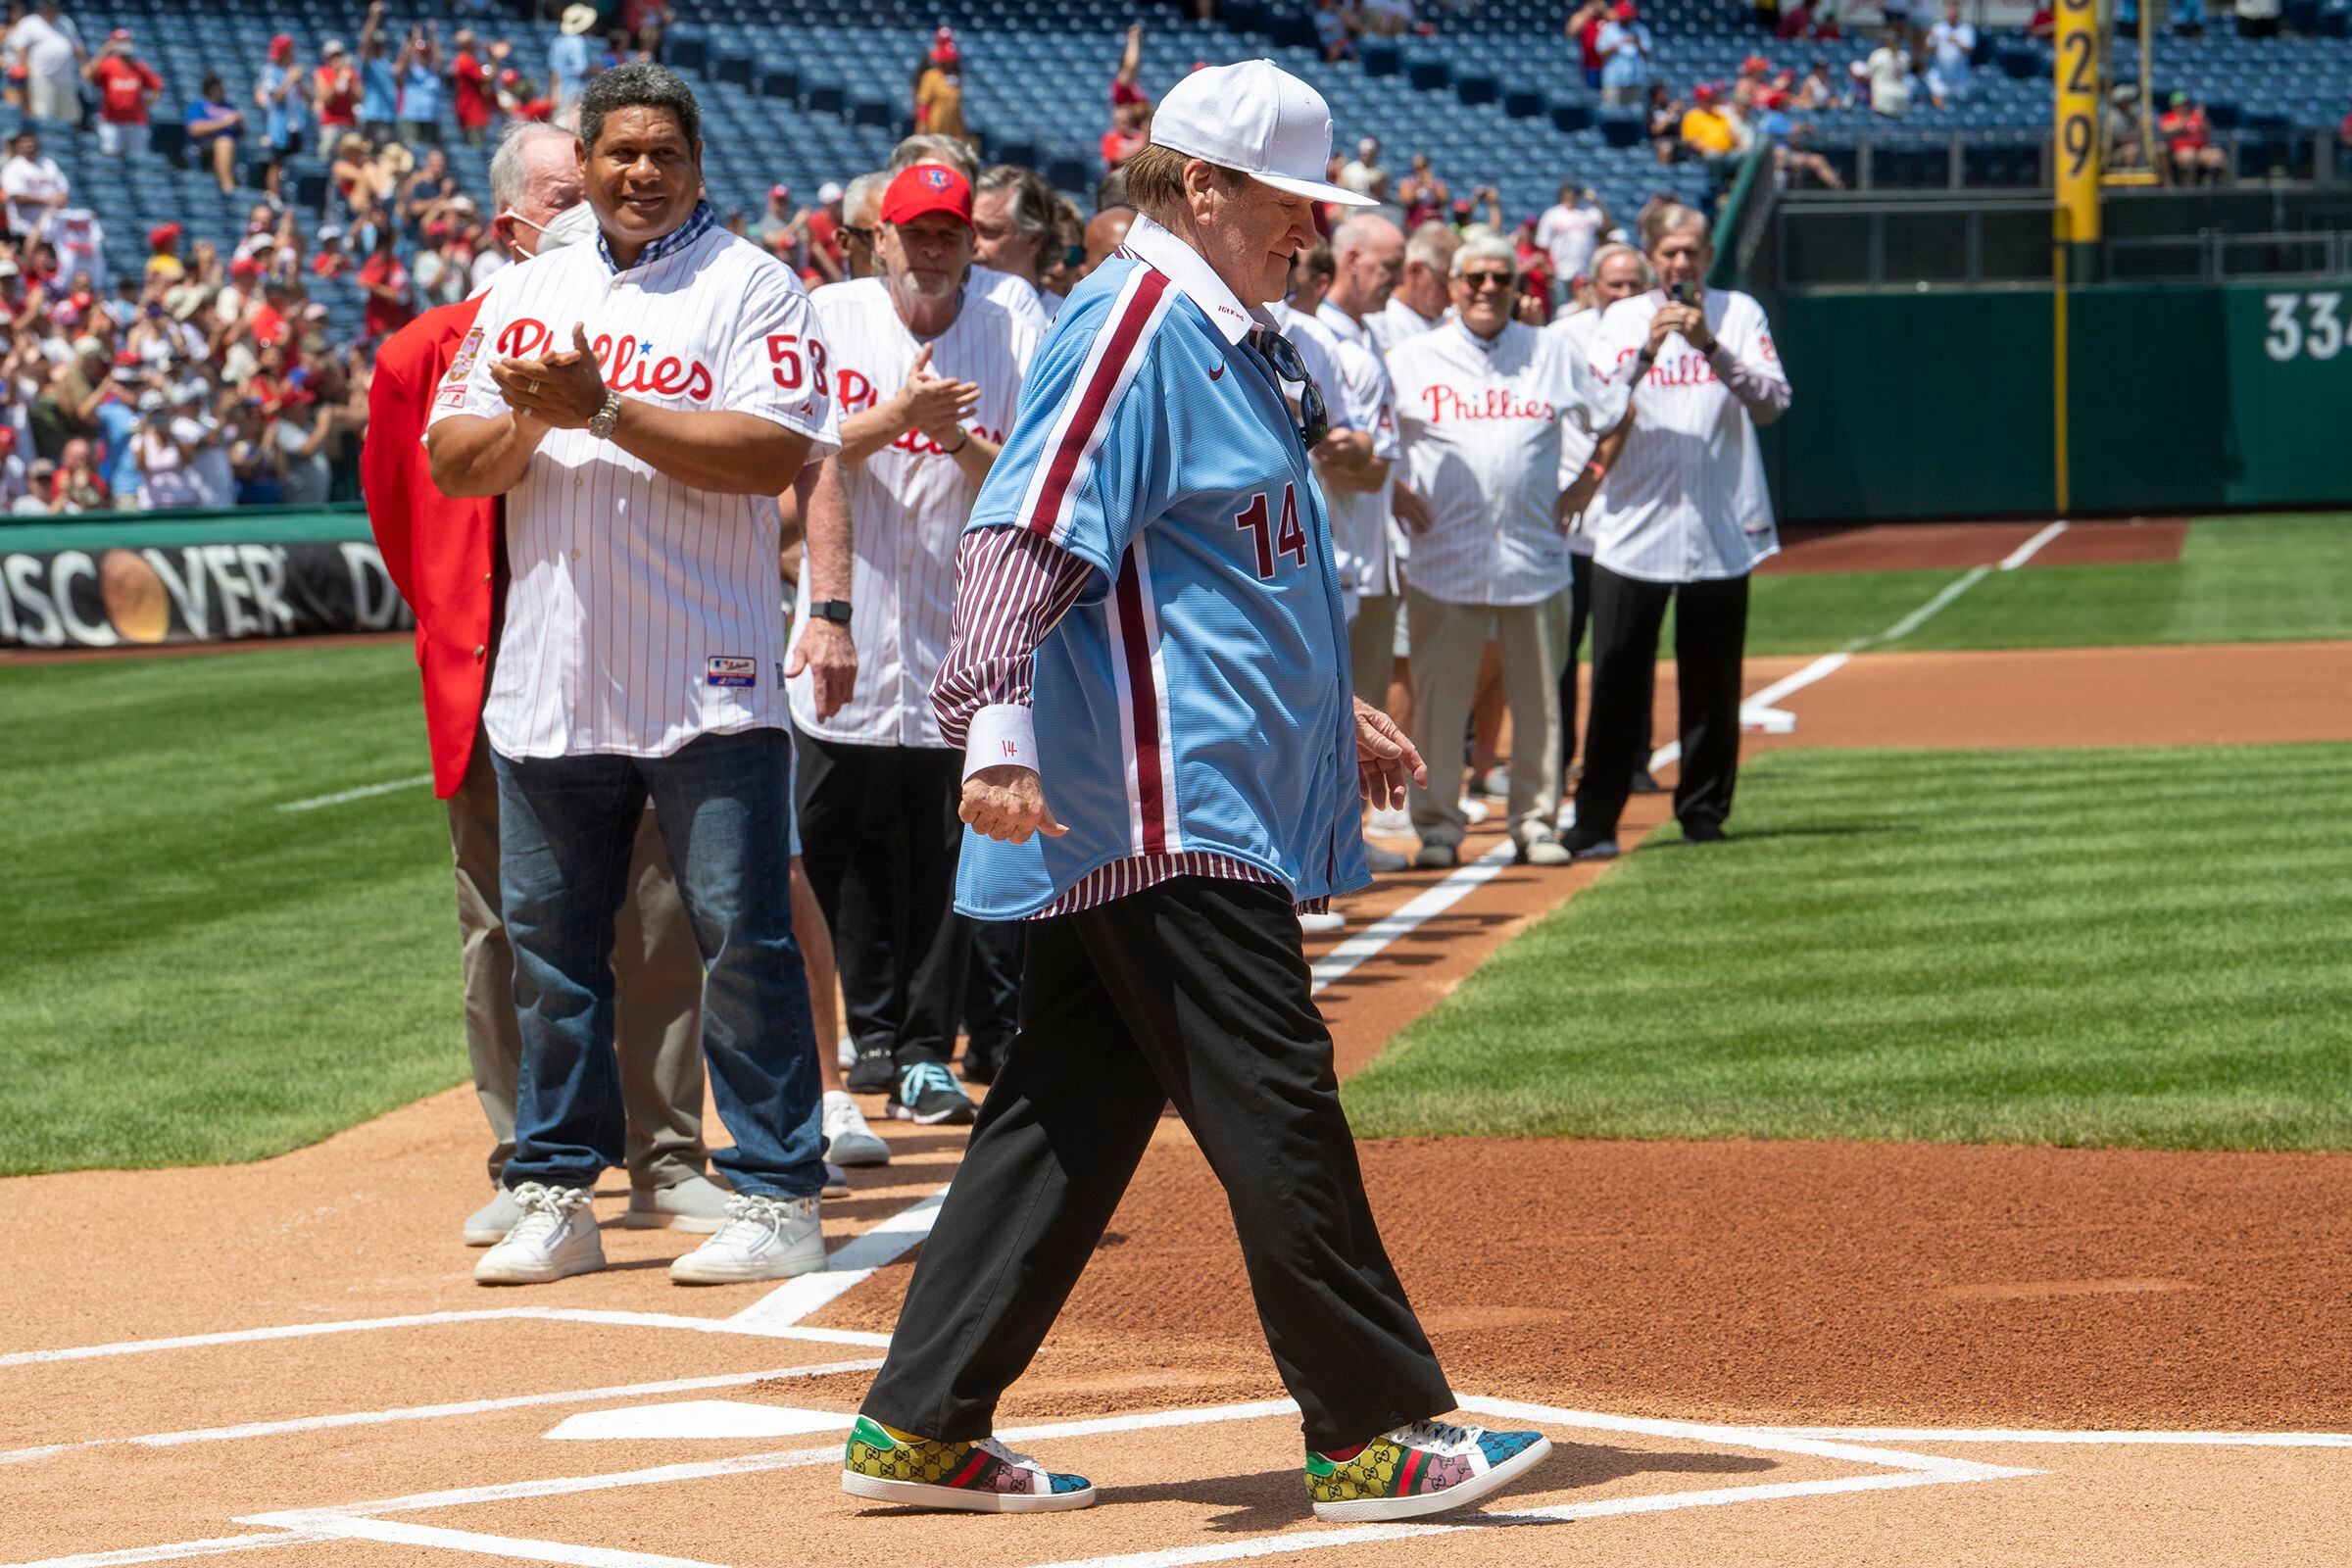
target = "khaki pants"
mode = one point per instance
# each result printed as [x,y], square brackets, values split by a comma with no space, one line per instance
[1449,641]
[658,1025]
[1372,647]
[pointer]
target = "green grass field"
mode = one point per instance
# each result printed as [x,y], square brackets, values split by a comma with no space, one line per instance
[2130,947]
[190,975]
[2238,579]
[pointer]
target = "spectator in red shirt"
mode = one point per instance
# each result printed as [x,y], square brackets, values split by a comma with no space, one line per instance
[331,259]
[520,98]
[386,283]
[472,92]
[334,92]
[126,85]
[1584,26]
[1130,133]
[2196,161]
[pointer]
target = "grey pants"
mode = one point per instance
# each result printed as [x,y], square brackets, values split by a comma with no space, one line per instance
[658,1029]
[1372,647]
[1449,641]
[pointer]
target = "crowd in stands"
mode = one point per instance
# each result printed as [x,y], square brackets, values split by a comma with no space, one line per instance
[153,377]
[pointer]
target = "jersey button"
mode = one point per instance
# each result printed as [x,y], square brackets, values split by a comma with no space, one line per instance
[478,652]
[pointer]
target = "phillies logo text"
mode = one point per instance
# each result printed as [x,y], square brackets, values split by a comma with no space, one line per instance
[1675,370]
[628,362]
[1495,402]
[859,394]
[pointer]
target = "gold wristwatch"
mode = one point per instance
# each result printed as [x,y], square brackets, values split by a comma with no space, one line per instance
[601,426]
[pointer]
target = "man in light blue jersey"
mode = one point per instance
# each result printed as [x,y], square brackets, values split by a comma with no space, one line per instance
[1149,673]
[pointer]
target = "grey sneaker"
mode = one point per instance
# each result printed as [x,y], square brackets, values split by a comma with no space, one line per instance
[555,1238]
[697,1206]
[764,1239]
[1438,858]
[1381,862]
[851,1140]
[487,1226]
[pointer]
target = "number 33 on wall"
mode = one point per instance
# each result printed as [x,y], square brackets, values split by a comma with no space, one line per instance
[2303,325]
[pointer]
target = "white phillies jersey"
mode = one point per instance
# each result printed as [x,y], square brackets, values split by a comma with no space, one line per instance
[1577,446]
[1015,294]
[1686,499]
[909,504]
[1317,351]
[1359,518]
[643,612]
[1396,322]
[1481,420]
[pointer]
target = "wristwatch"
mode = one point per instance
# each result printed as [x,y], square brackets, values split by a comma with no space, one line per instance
[833,610]
[601,426]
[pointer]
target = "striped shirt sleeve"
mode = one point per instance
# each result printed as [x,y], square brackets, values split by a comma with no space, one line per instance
[1012,587]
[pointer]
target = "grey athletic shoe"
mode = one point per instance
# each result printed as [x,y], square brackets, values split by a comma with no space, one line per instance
[697,1206]
[1438,858]
[487,1226]
[1382,862]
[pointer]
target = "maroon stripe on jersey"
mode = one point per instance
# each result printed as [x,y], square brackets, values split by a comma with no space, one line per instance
[1093,401]
[1143,695]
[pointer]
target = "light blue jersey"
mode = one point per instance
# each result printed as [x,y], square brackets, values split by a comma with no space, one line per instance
[1197,699]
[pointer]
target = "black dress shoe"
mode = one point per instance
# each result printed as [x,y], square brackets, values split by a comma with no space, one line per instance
[1703,832]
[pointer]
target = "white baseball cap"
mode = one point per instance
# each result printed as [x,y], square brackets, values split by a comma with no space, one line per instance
[1256,118]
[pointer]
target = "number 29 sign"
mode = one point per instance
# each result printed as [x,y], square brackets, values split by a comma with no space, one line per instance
[2076,149]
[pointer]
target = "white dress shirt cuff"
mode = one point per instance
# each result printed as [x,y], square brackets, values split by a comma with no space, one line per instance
[1002,735]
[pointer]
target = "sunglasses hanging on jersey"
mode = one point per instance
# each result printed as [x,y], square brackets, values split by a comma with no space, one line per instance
[1314,419]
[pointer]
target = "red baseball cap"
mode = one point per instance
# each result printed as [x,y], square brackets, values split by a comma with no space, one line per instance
[281,47]
[927,188]
[1702,92]
[119,36]
[163,236]
[776,193]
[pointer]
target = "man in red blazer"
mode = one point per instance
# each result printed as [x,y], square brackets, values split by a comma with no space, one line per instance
[448,559]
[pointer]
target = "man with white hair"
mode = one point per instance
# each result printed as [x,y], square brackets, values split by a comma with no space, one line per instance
[861,217]
[1481,402]
[1163,763]
[1679,513]
[1423,294]
[926,371]
[445,557]
[1617,271]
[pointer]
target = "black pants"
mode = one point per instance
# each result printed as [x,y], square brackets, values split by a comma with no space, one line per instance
[879,838]
[1192,991]
[991,995]
[1579,610]
[1710,631]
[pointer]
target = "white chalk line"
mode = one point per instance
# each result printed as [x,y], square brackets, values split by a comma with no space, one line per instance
[853,1264]
[2031,547]
[544,1314]
[1347,956]
[2204,1440]
[436,1412]
[343,797]
[177,1550]
[399,1534]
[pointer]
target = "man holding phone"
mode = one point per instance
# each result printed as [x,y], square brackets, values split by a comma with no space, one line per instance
[1678,509]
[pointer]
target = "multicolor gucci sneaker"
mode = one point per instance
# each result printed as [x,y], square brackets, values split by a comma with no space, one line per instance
[888,1465]
[1424,1468]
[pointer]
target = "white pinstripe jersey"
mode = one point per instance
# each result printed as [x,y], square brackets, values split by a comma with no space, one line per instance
[1398,322]
[1361,518]
[1577,446]
[1022,298]
[909,504]
[1481,421]
[642,613]
[1687,499]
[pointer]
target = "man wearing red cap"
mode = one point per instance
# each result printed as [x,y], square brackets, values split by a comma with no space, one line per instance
[927,371]
[162,254]
[939,89]
[1707,131]
[283,95]
[126,86]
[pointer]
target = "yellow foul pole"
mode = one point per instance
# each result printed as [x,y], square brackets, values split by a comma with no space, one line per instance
[2075,233]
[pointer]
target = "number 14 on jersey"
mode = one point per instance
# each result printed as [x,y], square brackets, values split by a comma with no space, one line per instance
[1286,538]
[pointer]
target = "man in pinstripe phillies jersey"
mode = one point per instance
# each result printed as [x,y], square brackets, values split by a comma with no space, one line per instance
[639,402]
[1162,763]
[1681,513]
[925,375]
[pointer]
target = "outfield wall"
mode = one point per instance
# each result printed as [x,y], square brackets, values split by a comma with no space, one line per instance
[2180,399]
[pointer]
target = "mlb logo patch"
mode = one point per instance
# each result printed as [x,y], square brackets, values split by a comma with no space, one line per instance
[730,669]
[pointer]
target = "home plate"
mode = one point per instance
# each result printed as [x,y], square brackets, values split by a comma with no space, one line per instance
[701,1418]
[1763,720]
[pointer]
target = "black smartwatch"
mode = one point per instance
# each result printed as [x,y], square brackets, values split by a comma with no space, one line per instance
[833,610]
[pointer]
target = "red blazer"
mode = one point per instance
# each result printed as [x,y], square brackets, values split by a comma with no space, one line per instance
[442,554]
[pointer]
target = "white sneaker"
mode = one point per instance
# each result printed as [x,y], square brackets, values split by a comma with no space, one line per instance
[1322,925]
[851,1142]
[1567,817]
[1496,783]
[555,1238]
[697,1206]
[1389,822]
[1473,811]
[487,1226]
[846,1052]
[764,1239]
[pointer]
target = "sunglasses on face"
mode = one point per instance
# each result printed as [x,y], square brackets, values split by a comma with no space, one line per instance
[863,236]
[1314,419]
[1476,281]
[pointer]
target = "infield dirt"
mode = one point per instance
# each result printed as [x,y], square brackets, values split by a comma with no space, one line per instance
[1812,1284]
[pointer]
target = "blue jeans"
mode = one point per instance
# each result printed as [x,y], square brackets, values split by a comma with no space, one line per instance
[723,805]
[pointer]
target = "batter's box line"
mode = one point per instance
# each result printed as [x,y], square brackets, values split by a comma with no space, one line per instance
[367,1521]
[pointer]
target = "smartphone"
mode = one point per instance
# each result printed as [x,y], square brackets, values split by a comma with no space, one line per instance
[1682,294]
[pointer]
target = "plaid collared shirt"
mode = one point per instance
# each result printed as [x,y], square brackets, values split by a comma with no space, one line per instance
[698,223]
